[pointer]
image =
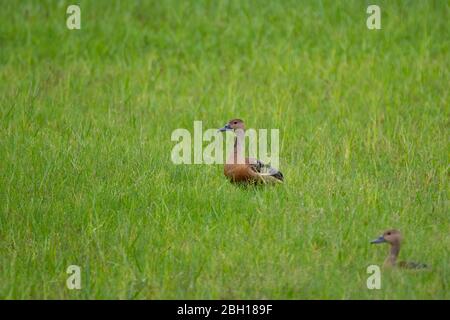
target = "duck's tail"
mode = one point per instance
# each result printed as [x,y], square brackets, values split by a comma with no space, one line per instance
[265,170]
[412,265]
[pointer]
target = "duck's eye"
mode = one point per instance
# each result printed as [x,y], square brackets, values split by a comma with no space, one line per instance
[235,122]
[388,233]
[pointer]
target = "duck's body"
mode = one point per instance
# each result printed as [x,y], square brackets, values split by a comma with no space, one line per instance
[394,238]
[252,172]
[239,169]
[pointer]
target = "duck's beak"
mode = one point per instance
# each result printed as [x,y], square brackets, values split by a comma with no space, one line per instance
[225,128]
[380,239]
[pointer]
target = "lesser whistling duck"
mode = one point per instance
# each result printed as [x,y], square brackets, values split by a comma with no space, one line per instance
[394,238]
[246,170]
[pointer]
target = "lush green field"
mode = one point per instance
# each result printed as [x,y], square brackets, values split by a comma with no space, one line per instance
[86,177]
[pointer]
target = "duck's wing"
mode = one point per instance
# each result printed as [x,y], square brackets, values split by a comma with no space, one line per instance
[412,265]
[264,169]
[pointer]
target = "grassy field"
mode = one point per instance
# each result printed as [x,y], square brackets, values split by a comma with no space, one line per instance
[86,177]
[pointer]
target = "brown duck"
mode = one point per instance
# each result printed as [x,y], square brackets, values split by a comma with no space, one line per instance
[239,169]
[394,238]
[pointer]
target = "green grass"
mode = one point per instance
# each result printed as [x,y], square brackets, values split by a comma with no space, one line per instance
[86,177]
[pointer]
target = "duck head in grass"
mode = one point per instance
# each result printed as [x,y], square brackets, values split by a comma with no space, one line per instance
[391,236]
[394,238]
[233,125]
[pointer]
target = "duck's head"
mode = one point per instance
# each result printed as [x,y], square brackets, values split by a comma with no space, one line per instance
[391,236]
[233,125]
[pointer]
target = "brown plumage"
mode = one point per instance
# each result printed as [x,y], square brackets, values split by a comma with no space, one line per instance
[394,238]
[239,169]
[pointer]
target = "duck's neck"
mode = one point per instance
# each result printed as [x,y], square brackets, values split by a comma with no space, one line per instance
[237,155]
[393,254]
